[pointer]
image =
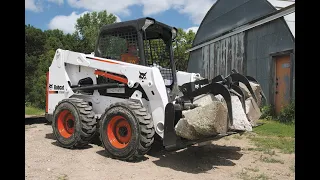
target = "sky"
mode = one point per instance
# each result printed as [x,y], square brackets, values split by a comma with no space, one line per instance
[62,14]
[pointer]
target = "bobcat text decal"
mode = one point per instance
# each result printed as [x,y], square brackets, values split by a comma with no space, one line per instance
[55,89]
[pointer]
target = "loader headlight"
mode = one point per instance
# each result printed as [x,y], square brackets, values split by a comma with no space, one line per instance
[160,127]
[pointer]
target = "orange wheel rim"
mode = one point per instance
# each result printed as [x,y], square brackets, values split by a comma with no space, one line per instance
[119,132]
[65,123]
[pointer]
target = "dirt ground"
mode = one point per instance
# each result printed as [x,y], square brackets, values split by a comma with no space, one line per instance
[228,158]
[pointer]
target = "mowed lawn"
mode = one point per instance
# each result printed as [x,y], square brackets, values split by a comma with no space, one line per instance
[33,111]
[274,135]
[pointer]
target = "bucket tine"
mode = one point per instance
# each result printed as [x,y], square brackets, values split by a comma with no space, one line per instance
[218,78]
[236,77]
[217,88]
[228,81]
[254,80]
[240,92]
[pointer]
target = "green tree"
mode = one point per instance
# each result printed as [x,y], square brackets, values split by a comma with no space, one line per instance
[88,27]
[34,41]
[38,91]
[34,47]
[183,42]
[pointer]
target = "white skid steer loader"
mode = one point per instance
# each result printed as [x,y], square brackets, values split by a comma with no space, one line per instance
[128,91]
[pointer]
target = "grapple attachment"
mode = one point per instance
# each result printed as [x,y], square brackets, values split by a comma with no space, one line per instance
[225,86]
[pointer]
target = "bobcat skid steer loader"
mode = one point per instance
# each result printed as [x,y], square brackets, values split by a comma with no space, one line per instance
[128,91]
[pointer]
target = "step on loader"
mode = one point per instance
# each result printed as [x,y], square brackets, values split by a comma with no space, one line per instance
[128,92]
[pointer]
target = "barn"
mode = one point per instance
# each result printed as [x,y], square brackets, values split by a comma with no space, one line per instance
[255,37]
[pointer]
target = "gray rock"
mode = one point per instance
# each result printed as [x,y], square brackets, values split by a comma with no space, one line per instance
[209,119]
[240,120]
[204,99]
[183,129]
[253,111]
[221,99]
[245,90]
[256,89]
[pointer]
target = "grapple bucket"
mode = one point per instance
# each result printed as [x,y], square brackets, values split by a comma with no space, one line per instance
[225,86]
[237,77]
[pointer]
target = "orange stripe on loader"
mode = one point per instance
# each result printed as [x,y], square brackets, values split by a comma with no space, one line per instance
[53,92]
[111,76]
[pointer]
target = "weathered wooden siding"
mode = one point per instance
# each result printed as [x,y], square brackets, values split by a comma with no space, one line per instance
[221,57]
[261,42]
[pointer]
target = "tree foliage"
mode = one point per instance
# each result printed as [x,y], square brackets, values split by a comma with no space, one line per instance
[40,48]
[88,27]
[184,42]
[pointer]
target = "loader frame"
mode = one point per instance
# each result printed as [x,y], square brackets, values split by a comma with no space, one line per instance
[136,78]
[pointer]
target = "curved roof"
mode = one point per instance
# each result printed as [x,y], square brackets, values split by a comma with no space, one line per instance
[225,15]
[290,18]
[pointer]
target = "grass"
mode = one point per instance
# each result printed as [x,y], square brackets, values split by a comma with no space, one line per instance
[262,177]
[265,151]
[29,127]
[237,136]
[274,128]
[292,168]
[252,169]
[271,160]
[33,111]
[245,176]
[286,145]
[227,138]
[274,135]
[63,177]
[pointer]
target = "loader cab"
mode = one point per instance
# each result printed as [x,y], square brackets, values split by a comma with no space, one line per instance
[143,41]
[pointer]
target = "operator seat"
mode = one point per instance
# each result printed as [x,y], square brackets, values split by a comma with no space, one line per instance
[131,56]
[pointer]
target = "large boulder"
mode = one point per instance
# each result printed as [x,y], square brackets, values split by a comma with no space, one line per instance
[257,90]
[209,119]
[204,99]
[240,120]
[252,110]
[185,130]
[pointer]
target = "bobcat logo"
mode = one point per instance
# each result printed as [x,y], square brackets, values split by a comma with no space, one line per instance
[50,86]
[197,86]
[142,75]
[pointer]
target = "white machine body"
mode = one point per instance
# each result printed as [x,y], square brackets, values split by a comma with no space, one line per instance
[69,67]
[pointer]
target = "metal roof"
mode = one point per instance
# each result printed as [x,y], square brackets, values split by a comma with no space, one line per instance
[290,18]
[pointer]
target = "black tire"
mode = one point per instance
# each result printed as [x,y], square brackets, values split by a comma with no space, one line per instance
[96,138]
[137,120]
[84,123]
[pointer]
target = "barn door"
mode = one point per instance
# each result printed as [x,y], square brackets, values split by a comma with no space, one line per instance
[282,80]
